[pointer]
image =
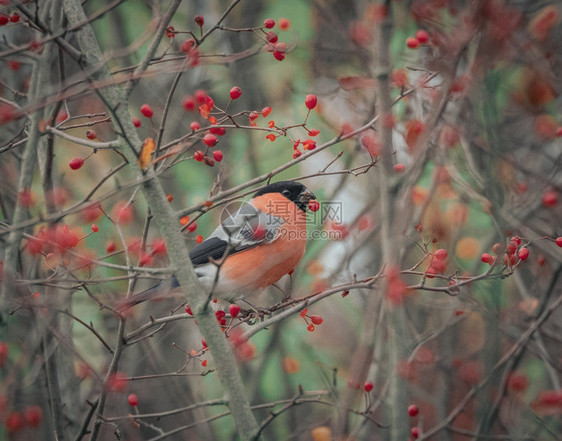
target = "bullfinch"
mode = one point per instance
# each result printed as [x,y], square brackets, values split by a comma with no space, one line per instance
[252,248]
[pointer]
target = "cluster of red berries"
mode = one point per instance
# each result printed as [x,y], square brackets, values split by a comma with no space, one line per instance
[413,411]
[273,44]
[4,19]
[310,101]
[512,252]
[421,37]
[30,417]
[314,320]
[58,238]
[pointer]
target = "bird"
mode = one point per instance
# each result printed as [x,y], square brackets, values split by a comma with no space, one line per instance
[251,249]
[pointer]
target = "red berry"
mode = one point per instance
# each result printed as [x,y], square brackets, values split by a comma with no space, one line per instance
[269,23]
[296,154]
[550,198]
[398,168]
[158,247]
[91,134]
[497,248]
[559,241]
[110,247]
[310,328]
[265,111]
[204,342]
[170,32]
[217,154]
[422,36]
[188,310]
[95,228]
[200,96]
[511,248]
[559,132]
[487,258]
[133,400]
[284,24]
[199,239]
[199,20]
[76,163]
[316,319]
[279,56]
[15,17]
[192,227]
[415,432]
[313,205]
[235,93]
[210,140]
[136,122]
[199,155]
[234,310]
[187,46]
[4,19]
[368,386]
[412,43]
[430,273]
[33,416]
[516,240]
[523,253]
[413,410]
[271,37]
[146,110]
[441,254]
[310,101]
[194,126]
[14,420]
[188,103]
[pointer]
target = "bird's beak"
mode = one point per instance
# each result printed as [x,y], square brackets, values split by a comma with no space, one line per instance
[306,196]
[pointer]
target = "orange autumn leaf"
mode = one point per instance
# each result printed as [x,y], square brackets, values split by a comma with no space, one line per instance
[146,153]
[291,365]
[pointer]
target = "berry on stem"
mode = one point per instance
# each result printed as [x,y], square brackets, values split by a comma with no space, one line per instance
[136,122]
[91,134]
[210,140]
[199,20]
[441,254]
[487,258]
[413,410]
[217,155]
[368,386]
[235,92]
[133,400]
[412,43]
[271,37]
[234,310]
[523,253]
[310,101]
[76,163]
[558,241]
[269,23]
[146,110]
[422,36]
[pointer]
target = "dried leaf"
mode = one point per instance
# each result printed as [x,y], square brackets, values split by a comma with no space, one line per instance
[146,153]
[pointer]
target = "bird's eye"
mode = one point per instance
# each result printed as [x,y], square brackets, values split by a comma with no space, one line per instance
[286,193]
